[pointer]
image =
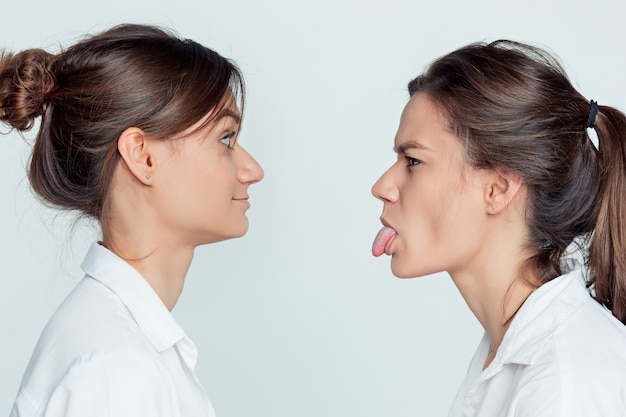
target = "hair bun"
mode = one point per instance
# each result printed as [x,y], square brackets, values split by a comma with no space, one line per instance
[25,86]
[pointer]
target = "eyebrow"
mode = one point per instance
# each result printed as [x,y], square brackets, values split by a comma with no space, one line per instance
[225,112]
[411,145]
[229,113]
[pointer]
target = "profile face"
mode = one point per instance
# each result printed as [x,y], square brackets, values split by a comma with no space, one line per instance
[203,195]
[433,200]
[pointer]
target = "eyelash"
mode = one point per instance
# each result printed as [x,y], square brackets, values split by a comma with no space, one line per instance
[227,140]
[411,162]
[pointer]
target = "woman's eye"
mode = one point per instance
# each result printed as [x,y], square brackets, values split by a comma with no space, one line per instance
[228,140]
[412,161]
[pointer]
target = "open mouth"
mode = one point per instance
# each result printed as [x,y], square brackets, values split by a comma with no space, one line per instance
[383,240]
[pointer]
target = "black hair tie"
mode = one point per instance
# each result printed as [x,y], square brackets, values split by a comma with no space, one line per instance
[593,111]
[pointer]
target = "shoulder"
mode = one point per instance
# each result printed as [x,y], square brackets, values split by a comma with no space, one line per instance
[92,317]
[126,382]
[92,345]
[592,342]
[116,383]
[105,383]
[581,370]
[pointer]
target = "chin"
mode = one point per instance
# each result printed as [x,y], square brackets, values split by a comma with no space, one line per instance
[243,229]
[238,231]
[225,235]
[400,270]
[239,234]
[402,274]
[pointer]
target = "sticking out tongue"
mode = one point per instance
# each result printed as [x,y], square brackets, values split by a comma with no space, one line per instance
[383,241]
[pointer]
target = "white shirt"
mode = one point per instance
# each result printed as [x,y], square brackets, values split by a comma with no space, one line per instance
[564,355]
[112,349]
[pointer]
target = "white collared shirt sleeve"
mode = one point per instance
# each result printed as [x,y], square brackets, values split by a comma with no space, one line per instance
[114,385]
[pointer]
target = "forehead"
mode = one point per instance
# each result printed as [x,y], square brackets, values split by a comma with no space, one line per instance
[226,111]
[423,124]
[229,106]
[421,113]
[218,118]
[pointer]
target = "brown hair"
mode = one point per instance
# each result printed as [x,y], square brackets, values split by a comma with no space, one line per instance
[514,108]
[128,76]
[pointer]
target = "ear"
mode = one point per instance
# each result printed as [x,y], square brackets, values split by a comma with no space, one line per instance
[135,149]
[501,188]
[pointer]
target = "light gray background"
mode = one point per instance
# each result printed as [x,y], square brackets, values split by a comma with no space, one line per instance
[297,318]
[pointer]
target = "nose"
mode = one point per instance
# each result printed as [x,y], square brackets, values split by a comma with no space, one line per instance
[248,169]
[385,189]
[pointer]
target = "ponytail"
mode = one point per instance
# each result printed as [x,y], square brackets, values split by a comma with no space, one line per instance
[607,251]
[513,107]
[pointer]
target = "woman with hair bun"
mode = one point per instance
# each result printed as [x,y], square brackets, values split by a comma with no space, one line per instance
[497,181]
[138,131]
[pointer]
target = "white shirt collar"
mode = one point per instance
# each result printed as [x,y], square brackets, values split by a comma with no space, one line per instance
[151,315]
[542,313]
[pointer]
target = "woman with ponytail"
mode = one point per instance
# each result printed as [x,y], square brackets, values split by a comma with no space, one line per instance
[138,130]
[498,182]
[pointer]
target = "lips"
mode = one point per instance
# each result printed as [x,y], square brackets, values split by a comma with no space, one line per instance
[382,242]
[243,200]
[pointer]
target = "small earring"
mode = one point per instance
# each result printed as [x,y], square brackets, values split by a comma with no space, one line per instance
[148,177]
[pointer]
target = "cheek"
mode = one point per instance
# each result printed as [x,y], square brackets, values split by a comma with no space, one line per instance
[200,181]
[440,220]
[217,171]
[425,204]
[462,228]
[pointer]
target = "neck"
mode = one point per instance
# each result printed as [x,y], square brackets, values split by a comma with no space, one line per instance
[493,286]
[135,232]
[495,303]
[164,266]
